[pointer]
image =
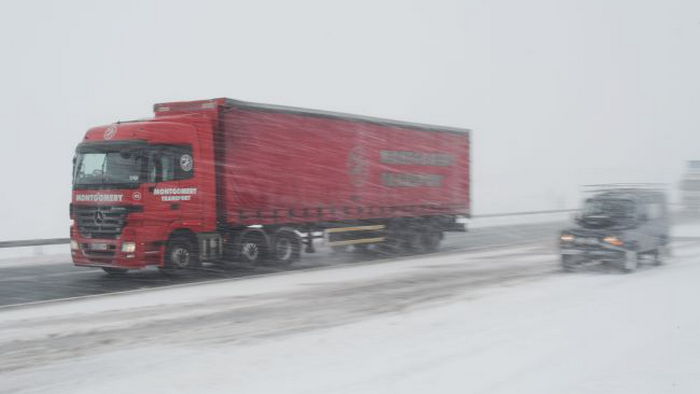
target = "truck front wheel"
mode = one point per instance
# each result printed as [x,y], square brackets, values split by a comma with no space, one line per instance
[181,254]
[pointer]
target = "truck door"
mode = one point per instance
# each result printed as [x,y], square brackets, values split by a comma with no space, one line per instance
[187,198]
[168,193]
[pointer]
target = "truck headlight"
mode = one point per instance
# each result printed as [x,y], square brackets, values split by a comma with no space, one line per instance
[129,247]
[74,245]
[567,238]
[612,240]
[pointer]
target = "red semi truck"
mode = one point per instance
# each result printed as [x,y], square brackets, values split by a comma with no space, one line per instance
[221,179]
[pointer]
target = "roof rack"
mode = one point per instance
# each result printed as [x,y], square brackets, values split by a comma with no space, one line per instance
[629,187]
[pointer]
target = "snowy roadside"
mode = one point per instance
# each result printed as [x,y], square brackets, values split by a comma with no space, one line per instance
[496,221]
[438,324]
[60,254]
[34,256]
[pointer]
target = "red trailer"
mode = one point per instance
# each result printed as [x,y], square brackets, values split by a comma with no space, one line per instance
[226,179]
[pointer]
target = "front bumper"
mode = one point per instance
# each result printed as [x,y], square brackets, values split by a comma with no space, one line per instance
[598,253]
[108,253]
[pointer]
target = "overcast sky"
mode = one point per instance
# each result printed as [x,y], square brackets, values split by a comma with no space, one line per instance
[559,93]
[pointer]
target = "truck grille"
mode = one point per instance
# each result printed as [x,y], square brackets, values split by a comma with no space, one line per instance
[100,221]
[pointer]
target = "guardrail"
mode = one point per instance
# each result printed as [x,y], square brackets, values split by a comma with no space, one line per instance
[61,241]
[34,242]
[498,215]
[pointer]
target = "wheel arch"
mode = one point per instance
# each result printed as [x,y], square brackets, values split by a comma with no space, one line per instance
[253,231]
[183,233]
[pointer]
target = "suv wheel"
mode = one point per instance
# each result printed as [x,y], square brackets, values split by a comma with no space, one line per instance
[569,262]
[631,262]
[660,255]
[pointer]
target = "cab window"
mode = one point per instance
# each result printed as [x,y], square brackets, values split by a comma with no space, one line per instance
[170,163]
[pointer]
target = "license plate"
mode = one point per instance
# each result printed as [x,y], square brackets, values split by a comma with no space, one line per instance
[98,246]
[571,251]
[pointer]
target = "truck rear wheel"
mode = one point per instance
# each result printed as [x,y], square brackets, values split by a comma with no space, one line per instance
[286,247]
[181,254]
[252,249]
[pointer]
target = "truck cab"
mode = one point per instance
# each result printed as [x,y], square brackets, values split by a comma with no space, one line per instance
[140,189]
[620,225]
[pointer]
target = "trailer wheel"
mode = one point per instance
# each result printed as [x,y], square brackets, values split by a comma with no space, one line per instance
[361,248]
[181,254]
[286,247]
[430,240]
[115,271]
[340,249]
[252,249]
[414,241]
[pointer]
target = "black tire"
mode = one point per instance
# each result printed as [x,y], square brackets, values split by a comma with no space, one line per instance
[414,241]
[568,263]
[630,263]
[286,248]
[430,240]
[361,248]
[252,249]
[340,249]
[181,253]
[659,255]
[115,271]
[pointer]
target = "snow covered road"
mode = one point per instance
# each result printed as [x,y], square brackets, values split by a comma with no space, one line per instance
[502,320]
[26,279]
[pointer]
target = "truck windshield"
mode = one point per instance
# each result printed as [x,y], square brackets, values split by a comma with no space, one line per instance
[114,169]
[127,165]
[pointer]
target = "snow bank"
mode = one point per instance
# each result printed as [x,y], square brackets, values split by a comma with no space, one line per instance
[34,255]
[592,332]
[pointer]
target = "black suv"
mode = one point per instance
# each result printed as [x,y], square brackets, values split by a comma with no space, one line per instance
[618,224]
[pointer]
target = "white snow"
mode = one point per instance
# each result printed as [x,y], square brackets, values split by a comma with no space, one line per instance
[34,255]
[496,221]
[588,332]
[686,230]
